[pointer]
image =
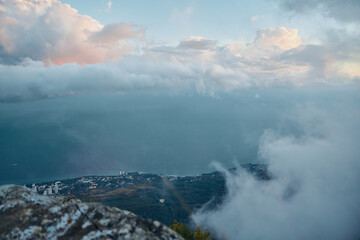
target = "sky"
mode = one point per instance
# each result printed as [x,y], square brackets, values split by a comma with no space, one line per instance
[93,87]
[187,87]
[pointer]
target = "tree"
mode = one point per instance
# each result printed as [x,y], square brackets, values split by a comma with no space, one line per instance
[199,235]
[187,234]
[181,229]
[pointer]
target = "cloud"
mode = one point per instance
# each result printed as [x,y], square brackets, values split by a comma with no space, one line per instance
[345,11]
[181,15]
[254,18]
[337,57]
[314,190]
[278,37]
[112,33]
[198,43]
[54,33]
[109,5]
[32,81]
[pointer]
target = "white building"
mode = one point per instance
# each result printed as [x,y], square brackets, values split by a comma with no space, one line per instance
[48,191]
[56,188]
[34,187]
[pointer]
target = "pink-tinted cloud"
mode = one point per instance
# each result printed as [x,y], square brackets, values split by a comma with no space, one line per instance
[53,32]
[195,64]
[278,37]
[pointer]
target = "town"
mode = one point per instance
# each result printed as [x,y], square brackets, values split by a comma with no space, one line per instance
[88,183]
[154,196]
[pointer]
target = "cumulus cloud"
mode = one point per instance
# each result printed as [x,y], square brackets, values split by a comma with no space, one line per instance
[53,32]
[338,57]
[278,37]
[275,58]
[345,11]
[195,64]
[314,191]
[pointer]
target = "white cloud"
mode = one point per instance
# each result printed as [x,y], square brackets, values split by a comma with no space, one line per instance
[337,58]
[179,15]
[314,191]
[53,32]
[109,5]
[196,64]
[280,37]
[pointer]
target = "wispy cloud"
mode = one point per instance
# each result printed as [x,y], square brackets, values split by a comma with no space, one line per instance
[254,18]
[109,5]
[182,15]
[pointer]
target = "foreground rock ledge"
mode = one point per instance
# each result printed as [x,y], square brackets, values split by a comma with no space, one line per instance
[27,215]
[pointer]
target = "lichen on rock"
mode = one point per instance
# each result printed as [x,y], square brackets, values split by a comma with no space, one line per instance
[26,215]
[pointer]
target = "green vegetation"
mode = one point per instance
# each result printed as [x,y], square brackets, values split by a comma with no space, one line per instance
[141,193]
[187,234]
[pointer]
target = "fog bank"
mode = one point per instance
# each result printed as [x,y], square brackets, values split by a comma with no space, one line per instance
[314,193]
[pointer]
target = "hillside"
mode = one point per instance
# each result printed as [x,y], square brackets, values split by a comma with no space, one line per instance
[27,215]
[155,196]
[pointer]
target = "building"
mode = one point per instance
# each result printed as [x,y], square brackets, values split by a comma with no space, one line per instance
[34,188]
[56,188]
[48,191]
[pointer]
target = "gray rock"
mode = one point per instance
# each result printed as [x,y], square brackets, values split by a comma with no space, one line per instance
[27,215]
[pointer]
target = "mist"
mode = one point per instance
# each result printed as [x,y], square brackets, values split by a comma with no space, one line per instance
[314,191]
[102,134]
[151,132]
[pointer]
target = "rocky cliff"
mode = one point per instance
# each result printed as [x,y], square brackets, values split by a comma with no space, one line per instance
[27,215]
